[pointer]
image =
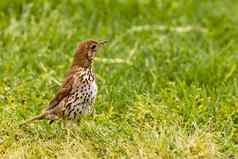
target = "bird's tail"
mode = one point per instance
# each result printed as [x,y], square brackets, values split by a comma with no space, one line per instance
[38,117]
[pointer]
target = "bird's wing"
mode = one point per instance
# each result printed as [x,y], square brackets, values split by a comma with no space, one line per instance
[62,92]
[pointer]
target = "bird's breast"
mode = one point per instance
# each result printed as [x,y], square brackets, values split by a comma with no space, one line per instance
[81,98]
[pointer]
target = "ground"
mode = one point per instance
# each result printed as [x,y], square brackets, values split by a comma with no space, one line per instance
[167,79]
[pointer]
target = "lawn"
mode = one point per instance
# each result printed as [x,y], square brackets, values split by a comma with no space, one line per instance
[167,79]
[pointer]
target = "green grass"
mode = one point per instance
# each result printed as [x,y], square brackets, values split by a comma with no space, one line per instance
[167,79]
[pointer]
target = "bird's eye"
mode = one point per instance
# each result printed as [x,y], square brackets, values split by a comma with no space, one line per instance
[93,46]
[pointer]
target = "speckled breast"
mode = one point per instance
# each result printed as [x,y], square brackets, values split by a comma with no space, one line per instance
[82,97]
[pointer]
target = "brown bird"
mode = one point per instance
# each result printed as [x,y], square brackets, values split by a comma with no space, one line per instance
[77,94]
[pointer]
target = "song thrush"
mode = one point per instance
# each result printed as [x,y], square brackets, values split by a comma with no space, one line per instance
[78,91]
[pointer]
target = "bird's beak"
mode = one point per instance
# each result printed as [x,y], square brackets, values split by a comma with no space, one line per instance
[102,42]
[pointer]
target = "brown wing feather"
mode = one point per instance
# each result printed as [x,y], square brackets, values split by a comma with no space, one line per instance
[62,92]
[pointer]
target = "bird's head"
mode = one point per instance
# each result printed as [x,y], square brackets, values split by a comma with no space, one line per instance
[86,52]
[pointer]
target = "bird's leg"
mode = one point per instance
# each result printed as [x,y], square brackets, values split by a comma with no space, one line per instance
[79,120]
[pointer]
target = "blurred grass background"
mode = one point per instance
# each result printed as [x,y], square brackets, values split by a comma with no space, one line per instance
[167,79]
